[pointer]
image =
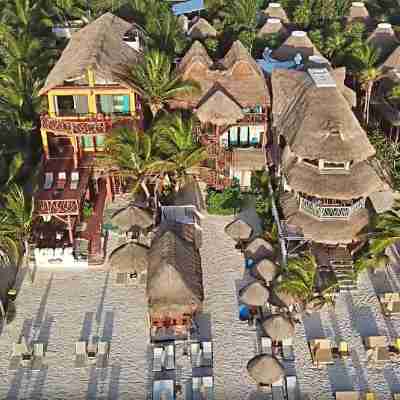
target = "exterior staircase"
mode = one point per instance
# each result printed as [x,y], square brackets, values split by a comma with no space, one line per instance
[343,266]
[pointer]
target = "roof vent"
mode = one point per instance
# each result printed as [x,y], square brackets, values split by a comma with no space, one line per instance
[274,5]
[273,21]
[357,4]
[385,26]
[321,77]
[299,33]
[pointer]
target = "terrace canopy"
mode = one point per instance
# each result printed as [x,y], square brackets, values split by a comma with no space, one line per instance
[130,217]
[130,257]
[258,249]
[266,269]
[265,369]
[254,294]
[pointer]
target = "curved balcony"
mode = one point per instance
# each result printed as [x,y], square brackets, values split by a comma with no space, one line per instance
[325,211]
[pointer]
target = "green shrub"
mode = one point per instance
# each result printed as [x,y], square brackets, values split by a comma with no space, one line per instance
[226,202]
[87,210]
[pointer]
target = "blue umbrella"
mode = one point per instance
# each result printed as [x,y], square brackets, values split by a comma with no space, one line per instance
[244,312]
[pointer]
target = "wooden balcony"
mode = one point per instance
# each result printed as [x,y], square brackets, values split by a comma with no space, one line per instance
[88,125]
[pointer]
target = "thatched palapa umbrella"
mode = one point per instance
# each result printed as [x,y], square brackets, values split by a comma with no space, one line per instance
[239,230]
[282,299]
[254,294]
[258,249]
[358,13]
[266,269]
[272,26]
[265,369]
[278,328]
[130,257]
[131,217]
[275,10]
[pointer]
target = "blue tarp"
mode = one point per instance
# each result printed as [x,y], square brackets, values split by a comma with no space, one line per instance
[188,7]
[268,64]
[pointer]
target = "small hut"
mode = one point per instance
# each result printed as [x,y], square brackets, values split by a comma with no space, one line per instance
[297,43]
[275,10]
[258,249]
[384,39]
[278,328]
[358,12]
[266,269]
[239,230]
[272,26]
[174,282]
[202,29]
[265,369]
[133,217]
[254,295]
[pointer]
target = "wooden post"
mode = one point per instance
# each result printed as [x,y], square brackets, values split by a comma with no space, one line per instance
[132,103]
[51,100]
[109,191]
[74,143]
[70,233]
[45,143]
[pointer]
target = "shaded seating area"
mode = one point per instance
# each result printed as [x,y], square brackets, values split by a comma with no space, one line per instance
[377,348]
[202,388]
[92,353]
[163,357]
[27,356]
[321,351]
[201,354]
[390,303]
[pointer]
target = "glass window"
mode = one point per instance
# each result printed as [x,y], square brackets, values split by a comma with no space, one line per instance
[71,105]
[87,142]
[244,135]
[109,104]
[100,142]
[334,165]
[233,136]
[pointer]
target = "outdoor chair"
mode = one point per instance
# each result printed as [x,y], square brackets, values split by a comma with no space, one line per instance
[74,180]
[157,357]
[396,396]
[287,349]
[80,355]
[103,351]
[277,390]
[16,355]
[377,348]
[291,387]
[170,357]
[195,353]
[348,395]
[48,180]
[38,356]
[207,354]
[163,390]
[321,352]
[266,345]
[61,180]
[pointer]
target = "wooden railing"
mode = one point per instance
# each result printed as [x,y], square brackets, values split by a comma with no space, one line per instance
[57,207]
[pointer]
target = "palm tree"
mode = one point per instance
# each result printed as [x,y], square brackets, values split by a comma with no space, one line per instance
[177,143]
[366,59]
[134,153]
[395,92]
[157,81]
[299,279]
[16,218]
[242,15]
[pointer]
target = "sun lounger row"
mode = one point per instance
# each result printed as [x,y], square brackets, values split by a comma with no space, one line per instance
[201,354]
[202,389]
[163,357]
[285,348]
[323,352]
[61,180]
[27,357]
[92,353]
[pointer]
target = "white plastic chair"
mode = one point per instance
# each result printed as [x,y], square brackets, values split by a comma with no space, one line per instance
[291,387]
[207,354]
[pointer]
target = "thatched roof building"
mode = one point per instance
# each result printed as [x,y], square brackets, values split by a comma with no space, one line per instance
[266,269]
[239,230]
[393,61]
[130,257]
[255,294]
[358,12]
[275,10]
[258,249]
[384,39]
[265,369]
[133,217]
[278,327]
[174,276]
[202,29]
[237,76]
[99,47]
[272,26]
[297,43]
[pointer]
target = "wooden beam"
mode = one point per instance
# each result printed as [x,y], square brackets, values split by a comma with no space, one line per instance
[45,143]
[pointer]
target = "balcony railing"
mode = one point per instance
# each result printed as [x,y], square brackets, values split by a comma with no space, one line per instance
[57,207]
[85,126]
[323,212]
[253,118]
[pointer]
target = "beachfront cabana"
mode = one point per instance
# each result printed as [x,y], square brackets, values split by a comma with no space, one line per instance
[255,294]
[174,283]
[358,12]
[278,328]
[239,230]
[265,369]
[384,39]
[272,26]
[131,258]
[275,10]
[258,249]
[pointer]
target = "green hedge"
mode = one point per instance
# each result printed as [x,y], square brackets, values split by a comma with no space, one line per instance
[226,202]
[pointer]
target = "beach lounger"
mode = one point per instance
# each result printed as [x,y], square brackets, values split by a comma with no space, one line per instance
[369,396]
[377,348]
[169,357]
[16,355]
[195,353]
[38,356]
[348,395]
[277,390]
[196,386]
[343,349]
[396,396]
[321,352]
[163,390]
[48,180]
[266,345]
[74,180]
[103,351]
[61,180]
[207,360]
[80,355]
[291,387]
[287,349]
[157,356]
[208,387]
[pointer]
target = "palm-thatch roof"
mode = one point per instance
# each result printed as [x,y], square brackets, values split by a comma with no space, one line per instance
[393,61]
[258,249]
[255,294]
[98,46]
[384,39]
[133,217]
[278,328]
[316,122]
[275,10]
[174,276]
[339,74]
[239,230]
[280,298]
[237,74]
[272,26]
[219,109]
[189,195]
[297,42]
[130,257]
[202,29]
[265,369]
[358,13]
[248,159]
[266,269]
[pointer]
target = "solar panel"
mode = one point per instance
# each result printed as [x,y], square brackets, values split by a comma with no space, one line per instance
[321,77]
